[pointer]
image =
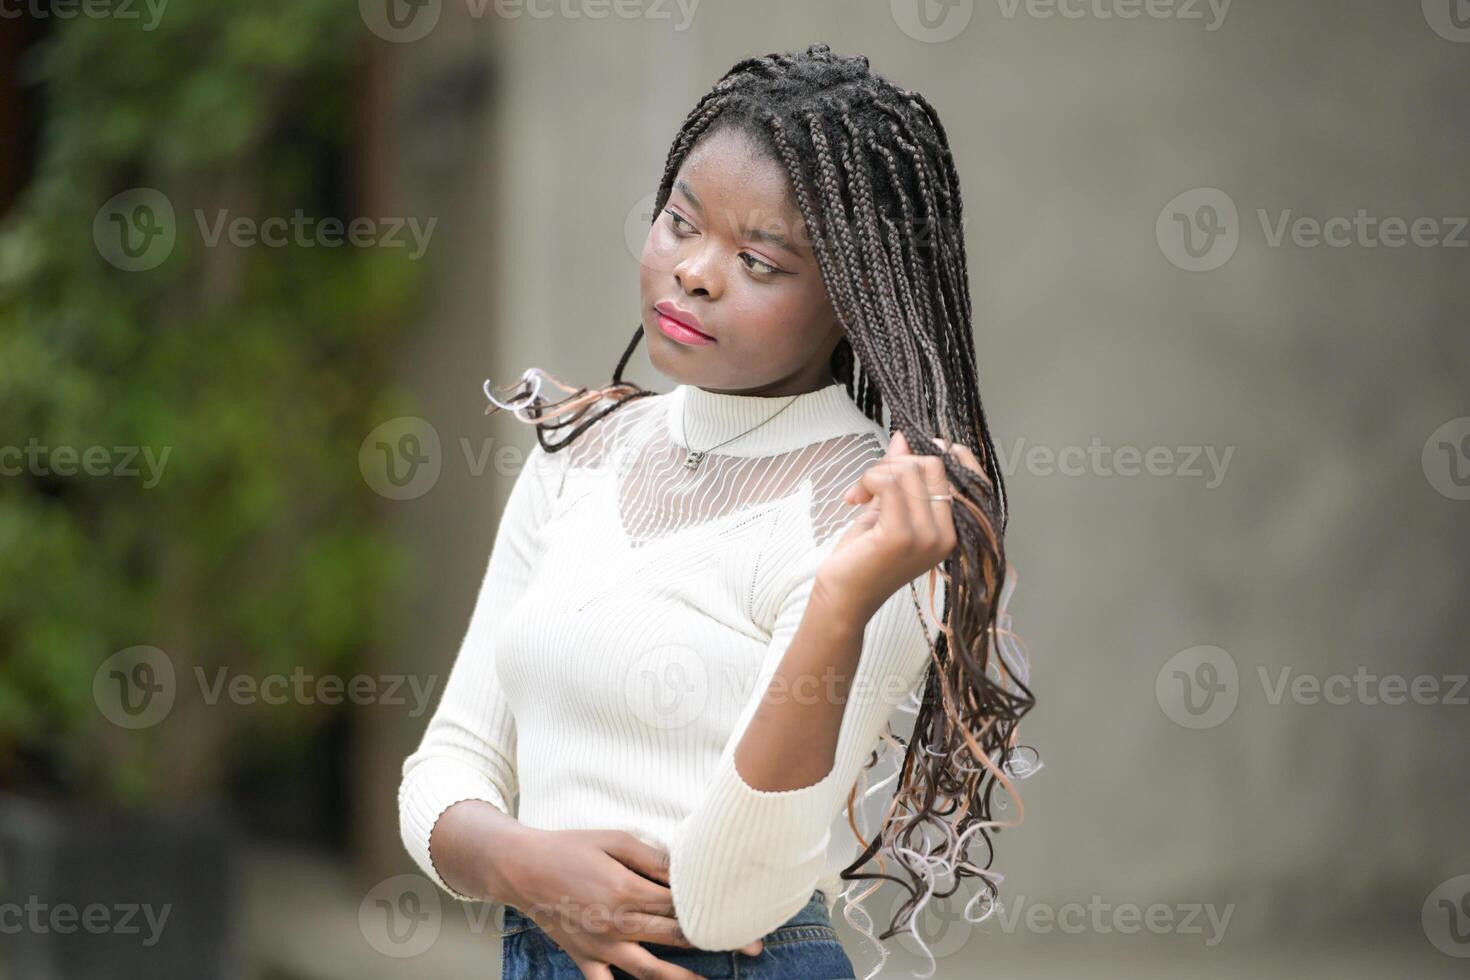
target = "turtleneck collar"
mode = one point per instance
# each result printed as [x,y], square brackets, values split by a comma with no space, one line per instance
[712,417]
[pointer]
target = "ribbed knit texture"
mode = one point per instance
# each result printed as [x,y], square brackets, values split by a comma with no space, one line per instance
[630,619]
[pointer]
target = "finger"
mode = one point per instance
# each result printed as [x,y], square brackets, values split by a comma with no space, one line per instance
[862,523]
[898,444]
[962,453]
[593,970]
[887,484]
[644,965]
[913,480]
[898,447]
[930,470]
[862,489]
[648,928]
[634,854]
[941,512]
[857,493]
[930,524]
[667,931]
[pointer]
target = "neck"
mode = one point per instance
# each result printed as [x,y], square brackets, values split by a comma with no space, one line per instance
[702,419]
[784,389]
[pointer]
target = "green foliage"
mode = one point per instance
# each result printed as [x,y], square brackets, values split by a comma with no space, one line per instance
[250,374]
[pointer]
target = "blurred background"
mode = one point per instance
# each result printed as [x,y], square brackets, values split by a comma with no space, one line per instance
[256,261]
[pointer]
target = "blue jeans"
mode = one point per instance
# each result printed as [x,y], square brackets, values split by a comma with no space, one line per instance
[805,947]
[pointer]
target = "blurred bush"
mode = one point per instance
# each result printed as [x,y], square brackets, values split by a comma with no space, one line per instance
[252,375]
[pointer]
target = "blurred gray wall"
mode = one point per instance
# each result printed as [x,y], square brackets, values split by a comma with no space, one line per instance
[1330,536]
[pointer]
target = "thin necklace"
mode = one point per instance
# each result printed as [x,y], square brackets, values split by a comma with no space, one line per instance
[693,457]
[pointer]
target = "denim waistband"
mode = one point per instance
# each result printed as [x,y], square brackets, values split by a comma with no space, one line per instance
[813,913]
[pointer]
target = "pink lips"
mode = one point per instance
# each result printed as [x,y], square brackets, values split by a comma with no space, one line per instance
[681,325]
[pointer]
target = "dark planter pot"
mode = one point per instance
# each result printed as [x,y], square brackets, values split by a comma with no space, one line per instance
[117,895]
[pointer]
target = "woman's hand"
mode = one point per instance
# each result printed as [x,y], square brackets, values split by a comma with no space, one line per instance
[597,894]
[899,535]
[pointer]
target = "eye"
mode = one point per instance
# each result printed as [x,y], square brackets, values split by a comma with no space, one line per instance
[765,266]
[676,218]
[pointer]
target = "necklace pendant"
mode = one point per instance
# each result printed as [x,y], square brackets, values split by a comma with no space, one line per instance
[692,459]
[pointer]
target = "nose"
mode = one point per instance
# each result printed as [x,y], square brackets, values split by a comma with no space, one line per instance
[695,274]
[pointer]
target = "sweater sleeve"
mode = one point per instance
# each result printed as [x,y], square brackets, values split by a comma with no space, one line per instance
[746,860]
[469,746]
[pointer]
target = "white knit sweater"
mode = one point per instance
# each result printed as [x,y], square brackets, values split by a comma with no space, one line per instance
[631,617]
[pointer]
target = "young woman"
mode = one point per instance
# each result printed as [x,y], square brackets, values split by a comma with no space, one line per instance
[703,607]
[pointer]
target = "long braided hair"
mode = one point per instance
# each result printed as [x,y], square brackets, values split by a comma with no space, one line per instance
[871,170]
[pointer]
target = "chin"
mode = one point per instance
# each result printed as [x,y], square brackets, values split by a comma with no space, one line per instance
[664,355]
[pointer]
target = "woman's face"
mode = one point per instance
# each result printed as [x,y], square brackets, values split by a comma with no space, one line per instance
[730,256]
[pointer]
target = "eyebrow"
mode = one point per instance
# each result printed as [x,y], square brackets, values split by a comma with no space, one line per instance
[689,193]
[780,241]
[759,234]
